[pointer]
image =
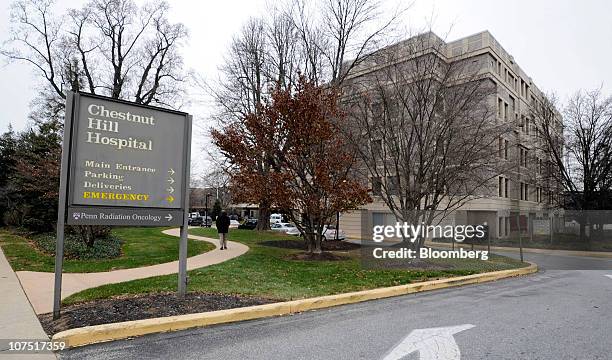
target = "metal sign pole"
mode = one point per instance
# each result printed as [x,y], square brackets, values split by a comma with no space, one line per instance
[61,208]
[182,278]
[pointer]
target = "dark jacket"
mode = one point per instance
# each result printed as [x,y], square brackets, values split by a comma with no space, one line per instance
[223,223]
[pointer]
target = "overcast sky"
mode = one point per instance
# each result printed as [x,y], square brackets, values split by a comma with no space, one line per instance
[564,45]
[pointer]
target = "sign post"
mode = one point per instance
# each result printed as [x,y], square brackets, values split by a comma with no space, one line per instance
[182,273]
[61,211]
[122,164]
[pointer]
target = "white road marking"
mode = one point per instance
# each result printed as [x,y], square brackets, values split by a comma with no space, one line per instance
[432,344]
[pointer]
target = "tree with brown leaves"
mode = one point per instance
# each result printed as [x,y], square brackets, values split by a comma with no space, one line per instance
[297,133]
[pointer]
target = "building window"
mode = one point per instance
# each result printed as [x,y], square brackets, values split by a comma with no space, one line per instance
[506,182]
[506,149]
[524,191]
[515,84]
[502,187]
[376,186]
[505,111]
[539,166]
[500,147]
[507,227]
[523,155]
[378,219]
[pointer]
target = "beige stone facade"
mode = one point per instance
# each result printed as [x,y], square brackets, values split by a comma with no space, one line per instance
[519,193]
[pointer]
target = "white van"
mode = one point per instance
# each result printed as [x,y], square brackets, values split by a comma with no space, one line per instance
[276,218]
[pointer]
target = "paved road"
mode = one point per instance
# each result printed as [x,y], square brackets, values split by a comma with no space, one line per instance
[555,314]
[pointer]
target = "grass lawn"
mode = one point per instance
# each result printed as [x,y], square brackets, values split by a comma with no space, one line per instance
[140,247]
[265,271]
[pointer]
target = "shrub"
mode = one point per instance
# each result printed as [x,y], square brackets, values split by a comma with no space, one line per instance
[74,248]
[35,224]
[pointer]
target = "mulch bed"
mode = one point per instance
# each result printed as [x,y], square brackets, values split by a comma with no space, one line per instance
[137,307]
[299,244]
[324,256]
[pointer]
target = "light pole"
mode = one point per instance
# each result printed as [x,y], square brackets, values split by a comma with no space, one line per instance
[521,189]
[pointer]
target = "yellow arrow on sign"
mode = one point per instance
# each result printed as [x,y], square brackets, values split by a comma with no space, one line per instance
[170,198]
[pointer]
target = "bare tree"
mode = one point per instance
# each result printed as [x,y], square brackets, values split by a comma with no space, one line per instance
[283,47]
[35,37]
[261,58]
[424,129]
[114,47]
[271,52]
[577,151]
[109,47]
[337,35]
[217,180]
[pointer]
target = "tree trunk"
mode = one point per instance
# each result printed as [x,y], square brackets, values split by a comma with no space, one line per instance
[263,218]
[310,242]
[317,244]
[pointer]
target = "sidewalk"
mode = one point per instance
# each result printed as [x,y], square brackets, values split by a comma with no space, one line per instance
[39,285]
[17,319]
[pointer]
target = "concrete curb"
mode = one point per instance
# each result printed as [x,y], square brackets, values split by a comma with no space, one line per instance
[580,253]
[123,330]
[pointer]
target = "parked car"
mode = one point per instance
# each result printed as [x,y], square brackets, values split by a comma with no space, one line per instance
[200,221]
[294,231]
[193,215]
[276,218]
[283,227]
[195,221]
[208,222]
[234,217]
[248,224]
[234,223]
[329,233]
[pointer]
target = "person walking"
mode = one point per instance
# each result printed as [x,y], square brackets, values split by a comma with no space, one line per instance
[223,223]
